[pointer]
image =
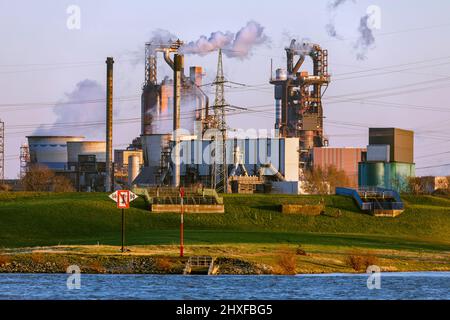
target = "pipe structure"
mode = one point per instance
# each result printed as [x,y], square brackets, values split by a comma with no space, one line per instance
[178,74]
[109,122]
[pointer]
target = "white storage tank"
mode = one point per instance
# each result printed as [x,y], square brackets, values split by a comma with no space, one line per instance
[50,151]
[133,168]
[76,148]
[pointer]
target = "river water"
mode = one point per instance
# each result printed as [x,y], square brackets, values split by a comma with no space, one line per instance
[414,285]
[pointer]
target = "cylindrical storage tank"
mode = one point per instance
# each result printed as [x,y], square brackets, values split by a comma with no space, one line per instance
[50,151]
[152,147]
[76,148]
[133,168]
[281,74]
[372,174]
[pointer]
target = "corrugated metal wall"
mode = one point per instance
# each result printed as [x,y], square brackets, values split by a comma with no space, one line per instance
[345,159]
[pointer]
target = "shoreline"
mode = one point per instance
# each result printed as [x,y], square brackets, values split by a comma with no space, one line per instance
[228,260]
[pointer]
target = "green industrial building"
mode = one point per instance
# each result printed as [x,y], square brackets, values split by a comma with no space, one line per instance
[389,161]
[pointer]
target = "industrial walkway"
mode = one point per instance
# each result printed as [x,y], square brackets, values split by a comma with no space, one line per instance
[200,265]
[376,201]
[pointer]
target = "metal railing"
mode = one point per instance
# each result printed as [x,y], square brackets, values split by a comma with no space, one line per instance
[370,199]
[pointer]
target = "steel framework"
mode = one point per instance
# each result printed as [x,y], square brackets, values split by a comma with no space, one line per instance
[24,160]
[220,168]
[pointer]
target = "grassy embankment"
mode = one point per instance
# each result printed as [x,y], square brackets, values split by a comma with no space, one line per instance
[252,229]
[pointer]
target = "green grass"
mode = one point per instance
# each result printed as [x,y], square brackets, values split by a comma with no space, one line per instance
[46,219]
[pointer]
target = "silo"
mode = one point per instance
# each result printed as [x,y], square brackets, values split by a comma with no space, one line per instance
[133,168]
[50,151]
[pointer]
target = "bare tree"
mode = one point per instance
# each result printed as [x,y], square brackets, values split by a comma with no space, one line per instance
[62,184]
[416,185]
[325,180]
[41,178]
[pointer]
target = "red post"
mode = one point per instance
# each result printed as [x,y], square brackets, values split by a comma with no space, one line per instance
[182,222]
[182,230]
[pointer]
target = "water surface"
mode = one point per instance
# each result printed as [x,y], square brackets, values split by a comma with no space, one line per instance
[414,285]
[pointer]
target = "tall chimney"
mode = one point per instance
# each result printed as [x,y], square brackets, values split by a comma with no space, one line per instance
[178,73]
[109,122]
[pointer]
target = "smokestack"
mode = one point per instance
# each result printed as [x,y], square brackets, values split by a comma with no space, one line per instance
[109,122]
[178,73]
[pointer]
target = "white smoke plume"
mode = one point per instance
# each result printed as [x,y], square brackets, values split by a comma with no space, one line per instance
[77,112]
[162,37]
[331,26]
[234,45]
[303,47]
[332,5]
[365,40]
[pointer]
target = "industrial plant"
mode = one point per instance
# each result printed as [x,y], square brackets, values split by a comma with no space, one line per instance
[185,139]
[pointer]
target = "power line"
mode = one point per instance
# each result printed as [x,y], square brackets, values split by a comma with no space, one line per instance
[436,166]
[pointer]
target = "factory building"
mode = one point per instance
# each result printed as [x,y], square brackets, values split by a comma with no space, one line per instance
[158,98]
[87,162]
[345,159]
[123,159]
[274,159]
[298,98]
[390,159]
[430,184]
[50,151]
[82,162]
[251,164]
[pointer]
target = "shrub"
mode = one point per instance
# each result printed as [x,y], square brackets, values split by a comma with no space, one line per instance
[5,187]
[41,178]
[37,258]
[163,264]
[359,261]
[300,251]
[286,262]
[62,184]
[97,267]
[4,260]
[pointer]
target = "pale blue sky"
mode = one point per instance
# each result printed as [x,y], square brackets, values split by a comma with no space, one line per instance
[37,52]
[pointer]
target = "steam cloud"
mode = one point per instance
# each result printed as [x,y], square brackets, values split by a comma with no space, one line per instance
[239,45]
[234,45]
[336,3]
[83,105]
[161,37]
[365,39]
[303,47]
